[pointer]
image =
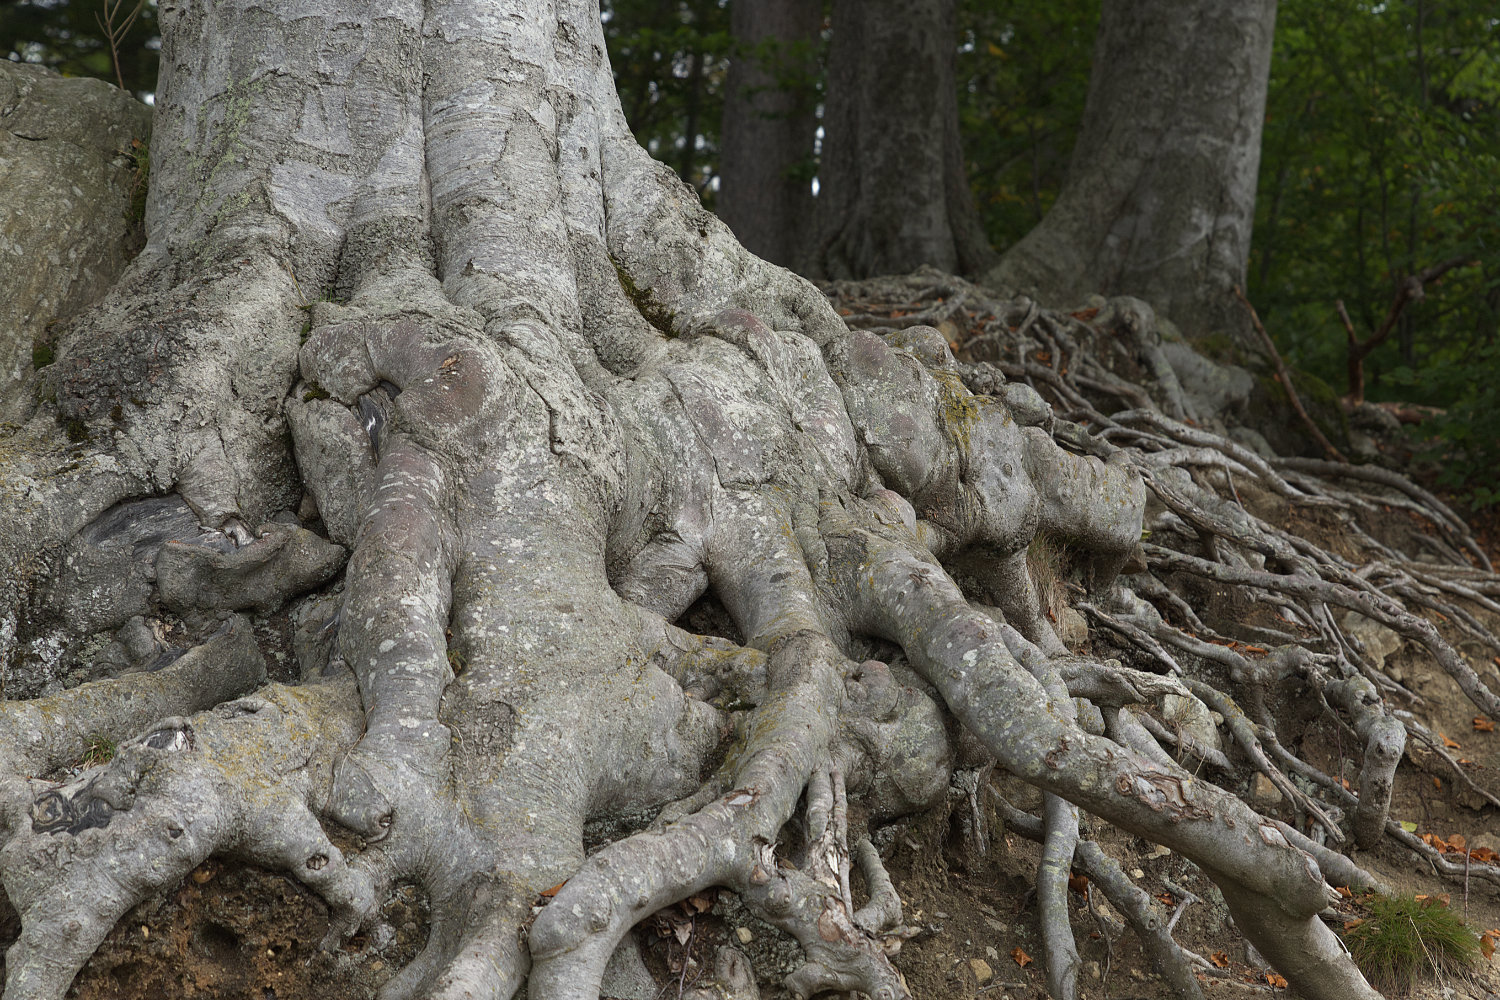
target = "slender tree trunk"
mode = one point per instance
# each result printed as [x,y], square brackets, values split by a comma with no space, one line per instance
[766,142]
[1160,197]
[893,195]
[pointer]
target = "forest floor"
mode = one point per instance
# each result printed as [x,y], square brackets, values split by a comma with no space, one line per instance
[234,931]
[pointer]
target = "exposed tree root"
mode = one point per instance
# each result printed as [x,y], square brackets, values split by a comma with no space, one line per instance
[245,779]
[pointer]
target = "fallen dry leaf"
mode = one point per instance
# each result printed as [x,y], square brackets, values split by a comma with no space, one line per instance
[1483,725]
[1277,981]
[1451,744]
[1219,959]
[549,893]
[1022,959]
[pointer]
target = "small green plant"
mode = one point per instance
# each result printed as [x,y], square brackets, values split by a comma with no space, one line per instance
[1406,937]
[99,749]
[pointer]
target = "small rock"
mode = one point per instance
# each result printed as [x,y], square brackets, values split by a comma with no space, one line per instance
[992,953]
[1193,717]
[1159,851]
[1375,639]
[1094,971]
[1072,629]
[982,971]
[1263,792]
[1137,873]
[743,933]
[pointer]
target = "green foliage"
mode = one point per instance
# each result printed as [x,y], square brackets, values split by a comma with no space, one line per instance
[1404,938]
[1381,157]
[69,37]
[1462,441]
[670,61]
[99,749]
[1023,73]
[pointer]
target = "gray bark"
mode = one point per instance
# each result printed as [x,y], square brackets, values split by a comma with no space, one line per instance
[411,271]
[767,135]
[1160,195]
[893,195]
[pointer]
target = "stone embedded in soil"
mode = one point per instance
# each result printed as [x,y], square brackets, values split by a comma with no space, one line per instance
[1263,792]
[1072,629]
[982,971]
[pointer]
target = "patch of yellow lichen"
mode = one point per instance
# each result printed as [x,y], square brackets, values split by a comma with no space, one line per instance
[958,410]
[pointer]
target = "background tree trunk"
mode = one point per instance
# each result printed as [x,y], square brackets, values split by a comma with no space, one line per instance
[892,194]
[766,142]
[1160,197]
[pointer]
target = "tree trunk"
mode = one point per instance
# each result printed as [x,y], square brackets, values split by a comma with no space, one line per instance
[892,191]
[1160,197]
[409,276]
[766,143]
